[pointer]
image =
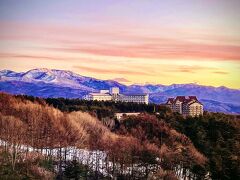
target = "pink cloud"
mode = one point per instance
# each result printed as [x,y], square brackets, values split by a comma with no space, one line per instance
[119,42]
[158,51]
[24,56]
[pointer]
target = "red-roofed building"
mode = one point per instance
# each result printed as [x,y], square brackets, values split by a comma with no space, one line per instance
[186,105]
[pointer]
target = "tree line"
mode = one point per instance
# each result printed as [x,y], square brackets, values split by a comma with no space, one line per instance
[101,109]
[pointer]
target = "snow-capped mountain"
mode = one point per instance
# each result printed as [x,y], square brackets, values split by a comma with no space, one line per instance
[57,78]
[59,83]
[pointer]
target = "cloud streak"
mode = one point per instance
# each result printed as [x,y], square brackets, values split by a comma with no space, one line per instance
[123,43]
[24,56]
[121,80]
[159,51]
[111,71]
[221,72]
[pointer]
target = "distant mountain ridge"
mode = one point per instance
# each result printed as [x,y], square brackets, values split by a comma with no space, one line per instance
[59,83]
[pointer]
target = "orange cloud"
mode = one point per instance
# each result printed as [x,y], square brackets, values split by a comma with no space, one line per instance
[189,69]
[110,71]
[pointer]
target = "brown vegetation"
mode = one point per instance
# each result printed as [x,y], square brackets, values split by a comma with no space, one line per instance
[139,147]
[175,150]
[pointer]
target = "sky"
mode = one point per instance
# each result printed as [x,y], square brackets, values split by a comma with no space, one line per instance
[130,41]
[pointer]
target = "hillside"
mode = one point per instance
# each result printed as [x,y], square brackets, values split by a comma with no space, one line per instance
[135,141]
[66,84]
[33,132]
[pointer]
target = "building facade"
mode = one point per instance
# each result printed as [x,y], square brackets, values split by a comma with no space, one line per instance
[98,97]
[114,95]
[141,99]
[186,105]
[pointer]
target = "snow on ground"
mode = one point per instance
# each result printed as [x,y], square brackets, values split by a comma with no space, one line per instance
[96,160]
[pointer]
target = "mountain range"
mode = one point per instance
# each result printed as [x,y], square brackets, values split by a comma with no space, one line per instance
[60,83]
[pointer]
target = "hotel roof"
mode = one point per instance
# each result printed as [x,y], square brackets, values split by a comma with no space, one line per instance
[128,94]
[171,100]
[184,99]
[100,94]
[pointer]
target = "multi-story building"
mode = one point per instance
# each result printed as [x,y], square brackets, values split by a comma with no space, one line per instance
[136,98]
[114,95]
[98,96]
[186,105]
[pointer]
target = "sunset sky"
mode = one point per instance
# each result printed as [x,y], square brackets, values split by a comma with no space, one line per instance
[131,41]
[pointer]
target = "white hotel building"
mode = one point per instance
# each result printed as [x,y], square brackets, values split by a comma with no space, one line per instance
[114,95]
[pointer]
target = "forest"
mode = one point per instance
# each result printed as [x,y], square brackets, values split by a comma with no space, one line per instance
[77,139]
